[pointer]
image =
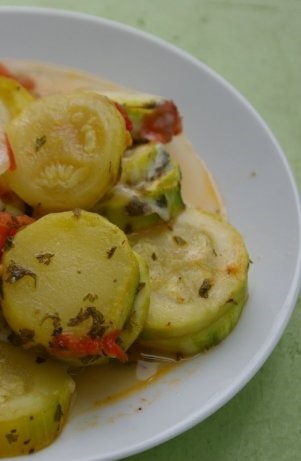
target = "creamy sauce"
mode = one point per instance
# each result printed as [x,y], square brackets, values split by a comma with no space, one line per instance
[101,385]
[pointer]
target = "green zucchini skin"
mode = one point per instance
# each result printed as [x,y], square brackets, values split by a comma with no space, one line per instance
[189,345]
[199,282]
[148,192]
[135,323]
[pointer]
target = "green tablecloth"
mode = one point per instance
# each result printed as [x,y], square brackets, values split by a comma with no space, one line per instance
[256,45]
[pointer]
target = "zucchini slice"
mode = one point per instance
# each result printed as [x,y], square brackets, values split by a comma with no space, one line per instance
[69,282]
[67,150]
[35,397]
[148,192]
[198,274]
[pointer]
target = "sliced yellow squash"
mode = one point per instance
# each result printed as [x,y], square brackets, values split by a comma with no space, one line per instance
[35,397]
[67,150]
[198,272]
[69,283]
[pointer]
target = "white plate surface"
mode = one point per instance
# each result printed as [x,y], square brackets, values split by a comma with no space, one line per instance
[235,143]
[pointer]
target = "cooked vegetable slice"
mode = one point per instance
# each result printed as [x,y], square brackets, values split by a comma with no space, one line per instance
[35,397]
[152,118]
[69,283]
[67,150]
[148,191]
[198,272]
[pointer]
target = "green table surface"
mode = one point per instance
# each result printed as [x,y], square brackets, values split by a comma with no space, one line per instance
[256,45]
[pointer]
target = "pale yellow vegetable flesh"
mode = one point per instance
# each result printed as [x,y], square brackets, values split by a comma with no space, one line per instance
[75,263]
[35,397]
[67,150]
[198,275]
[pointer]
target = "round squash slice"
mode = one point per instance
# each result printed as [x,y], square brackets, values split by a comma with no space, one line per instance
[35,397]
[198,276]
[69,285]
[67,150]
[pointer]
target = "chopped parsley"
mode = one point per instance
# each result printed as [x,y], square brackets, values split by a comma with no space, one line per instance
[15,273]
[39,142]
[44,258]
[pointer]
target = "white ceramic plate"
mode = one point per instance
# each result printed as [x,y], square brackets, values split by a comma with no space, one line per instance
[235,143]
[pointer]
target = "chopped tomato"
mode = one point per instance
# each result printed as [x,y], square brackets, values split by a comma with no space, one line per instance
[73,346]
[24,80]
[162,123]
[112,348]
[128,123]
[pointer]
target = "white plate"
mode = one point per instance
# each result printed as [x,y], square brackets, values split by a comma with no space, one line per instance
[260,195]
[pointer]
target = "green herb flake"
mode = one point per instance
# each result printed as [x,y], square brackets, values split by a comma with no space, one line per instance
[12,436]
[24,336]
[15,273]
[56,322]
[58,414]
[39,142]
[179,240]
[111,252]
[97,329]
[44,258]
[136,207]
[161,202]
[90,297]
[204,288]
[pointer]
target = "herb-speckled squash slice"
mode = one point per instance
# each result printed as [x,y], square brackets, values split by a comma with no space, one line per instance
[67,150]
[35,397]
[198,274]
[69,283]
[148,192]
